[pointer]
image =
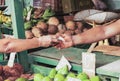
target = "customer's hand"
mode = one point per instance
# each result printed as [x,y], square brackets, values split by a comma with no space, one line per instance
[66,42]
[48,40]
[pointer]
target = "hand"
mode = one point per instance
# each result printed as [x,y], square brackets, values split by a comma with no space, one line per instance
[46,41]
[68,42]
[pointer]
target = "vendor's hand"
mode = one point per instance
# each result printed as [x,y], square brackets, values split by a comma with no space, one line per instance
[46,41]
[68,42]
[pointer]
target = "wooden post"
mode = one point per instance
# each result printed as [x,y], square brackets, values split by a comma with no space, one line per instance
[18,29]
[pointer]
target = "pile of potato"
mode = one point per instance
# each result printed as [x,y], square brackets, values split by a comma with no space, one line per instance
[52,27]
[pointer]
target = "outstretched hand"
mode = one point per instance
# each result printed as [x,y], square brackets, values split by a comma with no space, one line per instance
[49,40]
[65,41]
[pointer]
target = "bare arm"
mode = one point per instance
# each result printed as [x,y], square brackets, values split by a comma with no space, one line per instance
[97,33]
[17,45]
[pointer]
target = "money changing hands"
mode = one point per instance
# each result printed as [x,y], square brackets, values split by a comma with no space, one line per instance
[63,41]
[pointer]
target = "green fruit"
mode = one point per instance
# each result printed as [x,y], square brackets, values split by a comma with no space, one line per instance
[95,78]
[64,70]
[65,79]
[70,74]
[82,76]
[59,77]
[21,79]
[38,77]
[52,73]
[86,80]
[46,79]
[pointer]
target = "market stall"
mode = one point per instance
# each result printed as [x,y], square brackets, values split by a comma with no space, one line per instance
[28,19]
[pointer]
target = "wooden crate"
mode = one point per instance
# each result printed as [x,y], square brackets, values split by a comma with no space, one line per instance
[75,5]
[51,56]
[55,4]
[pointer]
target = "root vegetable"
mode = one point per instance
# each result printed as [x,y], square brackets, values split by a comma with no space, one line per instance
[53,21]
[52,29]
[61,28]
[28,34]
[70,25]
[36,32]
[69,32]
[79,25]
[14,71]
[43,26]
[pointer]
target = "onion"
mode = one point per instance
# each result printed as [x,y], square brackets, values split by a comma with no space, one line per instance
[53,21]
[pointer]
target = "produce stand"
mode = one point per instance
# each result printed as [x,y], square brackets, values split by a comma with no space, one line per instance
[44,60]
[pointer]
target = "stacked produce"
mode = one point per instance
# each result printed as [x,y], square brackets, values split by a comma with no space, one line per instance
[52,27]
[63,74]
[16,73]
[11,73]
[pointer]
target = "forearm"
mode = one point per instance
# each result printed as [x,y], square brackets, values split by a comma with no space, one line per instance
[17,45]
[89,36]
[97,33]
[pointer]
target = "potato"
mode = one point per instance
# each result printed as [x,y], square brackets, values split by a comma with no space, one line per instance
[61,28]
[36,32]
[28,34]
[70,25]
[43,26]
[53,21]
[69,32]
[52,29]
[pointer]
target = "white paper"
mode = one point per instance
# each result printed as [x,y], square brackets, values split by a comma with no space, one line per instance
[11,59]
[73,79]
[63,61]
[119,77]
[88,63]
[61,38]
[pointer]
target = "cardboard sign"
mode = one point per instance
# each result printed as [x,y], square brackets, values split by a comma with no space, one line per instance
[88,63]
[63,61]
[11,59]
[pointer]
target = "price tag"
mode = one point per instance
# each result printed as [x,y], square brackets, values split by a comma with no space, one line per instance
[63,61]
[11,59]
[73,79]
